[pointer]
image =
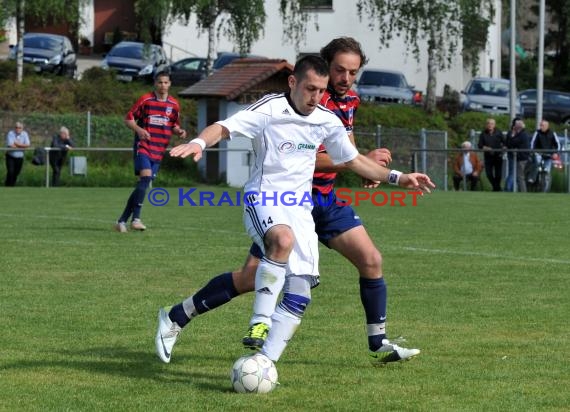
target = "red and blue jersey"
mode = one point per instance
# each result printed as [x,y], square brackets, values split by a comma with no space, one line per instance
[158,118]
[344,108]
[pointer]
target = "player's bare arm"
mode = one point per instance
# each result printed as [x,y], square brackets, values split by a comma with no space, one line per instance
[179,131]
[367,168]
[142,133]
[209,137]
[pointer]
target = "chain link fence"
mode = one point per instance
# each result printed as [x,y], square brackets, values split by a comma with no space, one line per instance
[403,142]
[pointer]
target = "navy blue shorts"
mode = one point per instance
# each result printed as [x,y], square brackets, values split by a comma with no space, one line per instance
[332,217]
[144,162]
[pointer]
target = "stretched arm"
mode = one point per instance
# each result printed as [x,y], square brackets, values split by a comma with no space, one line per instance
[369,169]
[209,137]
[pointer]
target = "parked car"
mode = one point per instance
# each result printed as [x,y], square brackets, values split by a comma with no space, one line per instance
[225,58]
[485,94]
[134,60]
[188,71]
[555,105]
[51,53]
[386,86]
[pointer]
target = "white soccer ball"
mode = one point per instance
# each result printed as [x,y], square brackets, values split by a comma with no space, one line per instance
[254,374]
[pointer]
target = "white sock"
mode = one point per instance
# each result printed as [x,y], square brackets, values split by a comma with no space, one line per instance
[269,280]
[284,326]
[189,308]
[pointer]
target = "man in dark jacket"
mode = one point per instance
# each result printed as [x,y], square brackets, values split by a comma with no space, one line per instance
[545,139]
[517,139]
[491,140]
[63,142]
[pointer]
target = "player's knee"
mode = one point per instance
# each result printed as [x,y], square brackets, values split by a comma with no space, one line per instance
[370,265]
[144,182]
[279,241]
[295,305]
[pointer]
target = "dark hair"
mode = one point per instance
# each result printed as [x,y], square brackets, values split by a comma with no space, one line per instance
[343,45]
[163,73]
[306,63]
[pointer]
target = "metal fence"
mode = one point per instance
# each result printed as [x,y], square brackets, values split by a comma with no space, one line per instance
[87,130]
[449,153]
[403,142]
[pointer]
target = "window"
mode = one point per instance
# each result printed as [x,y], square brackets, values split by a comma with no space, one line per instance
[317,5]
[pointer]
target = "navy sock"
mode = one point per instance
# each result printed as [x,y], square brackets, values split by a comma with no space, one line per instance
[139,194]
[218,291]
[128,208]
[373,295]
[178,315]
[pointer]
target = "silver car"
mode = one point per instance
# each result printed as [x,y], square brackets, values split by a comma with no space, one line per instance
[484,94]
[385,86]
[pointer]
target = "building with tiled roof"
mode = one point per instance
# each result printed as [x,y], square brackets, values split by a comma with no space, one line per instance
[224,93]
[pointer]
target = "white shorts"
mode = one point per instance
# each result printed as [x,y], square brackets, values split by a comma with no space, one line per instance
[304,258]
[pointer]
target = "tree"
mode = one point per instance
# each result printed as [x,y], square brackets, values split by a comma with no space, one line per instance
[240,20]
[449,27]
[557,36]
[44,11]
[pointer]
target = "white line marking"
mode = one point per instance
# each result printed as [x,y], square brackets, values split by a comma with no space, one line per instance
[489,255]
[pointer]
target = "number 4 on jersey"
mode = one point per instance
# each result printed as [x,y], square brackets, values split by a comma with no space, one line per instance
[269,222]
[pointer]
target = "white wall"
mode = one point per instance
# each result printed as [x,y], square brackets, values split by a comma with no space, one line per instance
[87,27]
[342,21]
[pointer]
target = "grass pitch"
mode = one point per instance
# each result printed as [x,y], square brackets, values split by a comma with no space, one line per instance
[479,281]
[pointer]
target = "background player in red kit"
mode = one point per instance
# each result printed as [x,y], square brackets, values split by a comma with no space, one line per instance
[153,118]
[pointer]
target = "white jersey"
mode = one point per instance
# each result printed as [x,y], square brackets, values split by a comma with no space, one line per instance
[285,143]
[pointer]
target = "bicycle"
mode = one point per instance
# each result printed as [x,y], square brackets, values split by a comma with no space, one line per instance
[537,176]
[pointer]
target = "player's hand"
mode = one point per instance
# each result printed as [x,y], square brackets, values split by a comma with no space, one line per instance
[143,134]
[417,181]
[187,149]
[180,132]
[381,156]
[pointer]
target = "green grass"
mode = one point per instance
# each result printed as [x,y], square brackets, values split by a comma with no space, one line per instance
[479,281]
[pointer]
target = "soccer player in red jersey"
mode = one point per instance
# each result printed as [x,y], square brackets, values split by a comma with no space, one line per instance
[153,118]
[337,226]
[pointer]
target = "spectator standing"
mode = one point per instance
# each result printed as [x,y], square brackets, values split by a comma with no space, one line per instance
[491,141]
[62,141]
[517,139]
[17,139]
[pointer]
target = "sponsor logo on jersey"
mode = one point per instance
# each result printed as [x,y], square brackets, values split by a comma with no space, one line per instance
[286,147]
[158,120]
[306,147]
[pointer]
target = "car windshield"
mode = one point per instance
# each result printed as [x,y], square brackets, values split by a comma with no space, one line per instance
[382,79]
[489,88]
[47,43]
[129,52]
[188,64]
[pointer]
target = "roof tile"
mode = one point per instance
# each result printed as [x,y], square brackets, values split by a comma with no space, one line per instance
[237,78]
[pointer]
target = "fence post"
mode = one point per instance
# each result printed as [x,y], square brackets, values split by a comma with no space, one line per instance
[515,186]
[378,135]
[88,128]
[423,146]
[445,173]
[47,149]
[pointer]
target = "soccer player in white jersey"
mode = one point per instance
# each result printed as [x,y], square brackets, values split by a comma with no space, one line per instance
[287,130]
